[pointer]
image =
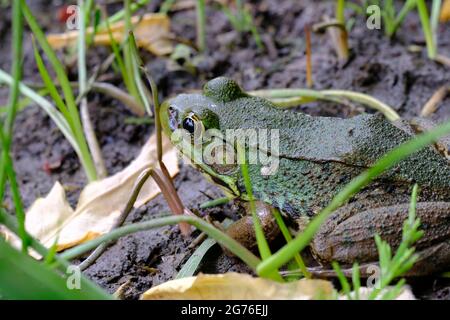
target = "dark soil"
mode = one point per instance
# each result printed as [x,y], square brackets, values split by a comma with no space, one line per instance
[380,67]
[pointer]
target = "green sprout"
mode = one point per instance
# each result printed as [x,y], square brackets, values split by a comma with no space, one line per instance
[242,21]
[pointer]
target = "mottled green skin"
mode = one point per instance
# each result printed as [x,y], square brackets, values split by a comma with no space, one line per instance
[318,155]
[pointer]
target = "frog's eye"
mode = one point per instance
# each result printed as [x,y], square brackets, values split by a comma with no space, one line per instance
[192,124]
[189,125]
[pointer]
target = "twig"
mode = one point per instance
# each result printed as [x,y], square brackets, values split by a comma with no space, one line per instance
[432,104]
[309,79]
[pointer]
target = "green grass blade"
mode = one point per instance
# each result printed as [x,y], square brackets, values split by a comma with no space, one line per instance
[201,24]
[34,280]
[287,236]
[142,90]
[50,86]
[426,27]
[342,280]
[435,12]
[193,262]
[57,117]
[261,241]
[128,55]
[6,166]
[222,238]
[86,158]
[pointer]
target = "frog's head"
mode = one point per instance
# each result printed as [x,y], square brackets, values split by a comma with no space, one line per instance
[193,122]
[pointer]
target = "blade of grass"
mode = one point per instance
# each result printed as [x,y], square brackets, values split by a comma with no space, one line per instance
[119,15]
[261,241]
[339,96]
[435,13]
[387,161]
[356,280]
[50,86]
[17,200]
[194,260]
[57,117]
[34,280]
[243,253]
[426,27]
[128,55]
[61,265]
[88,128]
[214,203]
[85,158]
[6,166]
[407,8]
[201,24]
[342,280]
[142,90]
[288,238]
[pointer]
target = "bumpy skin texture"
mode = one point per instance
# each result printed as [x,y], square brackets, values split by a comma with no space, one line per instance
[318,157]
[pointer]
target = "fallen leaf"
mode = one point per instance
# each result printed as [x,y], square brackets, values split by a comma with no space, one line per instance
[100,202]
[237,286]
[152,32]
[445,11]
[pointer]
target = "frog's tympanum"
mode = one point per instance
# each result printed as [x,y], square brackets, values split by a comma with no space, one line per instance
[307,161]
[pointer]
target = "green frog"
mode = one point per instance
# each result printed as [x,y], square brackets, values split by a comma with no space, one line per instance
[298,163]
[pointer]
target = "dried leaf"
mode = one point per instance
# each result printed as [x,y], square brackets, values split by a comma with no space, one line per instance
[237,286]
[100,202]
[445,11]
[152,33]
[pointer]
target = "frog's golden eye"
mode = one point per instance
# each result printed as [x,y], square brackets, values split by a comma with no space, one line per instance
[192,124]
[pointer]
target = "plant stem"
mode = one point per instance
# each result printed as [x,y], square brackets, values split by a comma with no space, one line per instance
[201,25]
[329,95]
[287,236]
[342,37]
[61,264]
[76,127]
[426,26]
[88,127]
[435,12]
[340,7]
[57,117]
[309,80]
[6,165]
[249,258]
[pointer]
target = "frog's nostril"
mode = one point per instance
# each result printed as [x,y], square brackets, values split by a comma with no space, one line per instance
[173,115]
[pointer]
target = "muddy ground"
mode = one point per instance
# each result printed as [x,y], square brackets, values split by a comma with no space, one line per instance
[380,67]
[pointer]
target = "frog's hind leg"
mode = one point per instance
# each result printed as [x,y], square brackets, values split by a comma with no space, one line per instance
[348,235]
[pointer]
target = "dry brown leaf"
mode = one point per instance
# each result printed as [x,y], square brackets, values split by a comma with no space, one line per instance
[237,286]
[445,11]
[100,202]
[152,33]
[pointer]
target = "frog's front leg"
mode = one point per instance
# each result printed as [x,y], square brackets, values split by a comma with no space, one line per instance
[243,229]
[348,235]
